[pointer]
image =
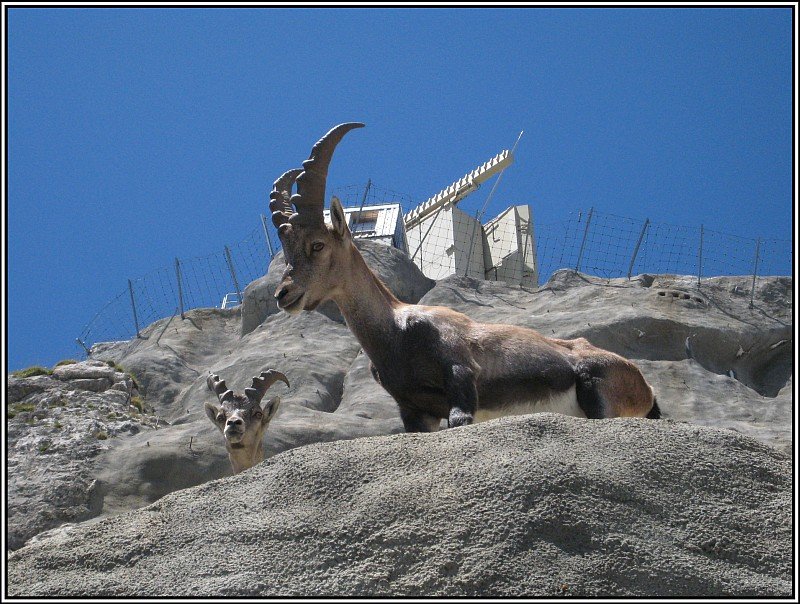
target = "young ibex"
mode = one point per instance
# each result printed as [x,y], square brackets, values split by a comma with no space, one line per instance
[437,363]
[241,419]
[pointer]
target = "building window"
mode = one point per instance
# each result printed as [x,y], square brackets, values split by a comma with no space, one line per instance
[364,223]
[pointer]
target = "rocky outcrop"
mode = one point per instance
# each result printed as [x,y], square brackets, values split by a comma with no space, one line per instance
[530,506]
[57,426]
[712,359]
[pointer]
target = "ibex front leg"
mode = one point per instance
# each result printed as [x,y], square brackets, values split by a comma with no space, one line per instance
[462,394]
[417,421]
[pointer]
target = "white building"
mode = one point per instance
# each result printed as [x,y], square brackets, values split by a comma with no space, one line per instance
[382,223]
[509,247]
[443,240]
[447,242]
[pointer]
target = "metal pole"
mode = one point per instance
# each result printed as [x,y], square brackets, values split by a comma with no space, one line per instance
[79,341]
[700,258]
[583,243]
[180,287]
[233,273]
[133,306]
[266,234]
[755,272]
[363,200]
[479,214]
[638,243]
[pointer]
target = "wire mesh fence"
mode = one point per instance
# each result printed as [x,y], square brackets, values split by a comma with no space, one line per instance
[213,280]
[449,241]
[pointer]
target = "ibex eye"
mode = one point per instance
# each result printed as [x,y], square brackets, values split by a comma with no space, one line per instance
[317,246]
[221,417]
[257,415]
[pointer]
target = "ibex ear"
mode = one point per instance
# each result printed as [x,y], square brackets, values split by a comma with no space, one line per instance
[212,411]
[270,408]
[338,218]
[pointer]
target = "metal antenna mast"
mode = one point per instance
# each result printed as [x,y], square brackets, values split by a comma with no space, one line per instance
[479,214]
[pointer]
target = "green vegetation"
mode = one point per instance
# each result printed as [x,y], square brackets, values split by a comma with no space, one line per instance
[102,435]
[18,408]
[65,362]
[138,403]
[32,371]
[57,425]
[44,447]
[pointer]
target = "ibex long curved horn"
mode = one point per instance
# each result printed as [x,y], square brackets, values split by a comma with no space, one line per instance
[262,383]
[279,203]
[310,197]
[218,387]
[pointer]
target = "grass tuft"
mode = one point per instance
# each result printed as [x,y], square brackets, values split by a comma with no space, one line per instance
[32,371]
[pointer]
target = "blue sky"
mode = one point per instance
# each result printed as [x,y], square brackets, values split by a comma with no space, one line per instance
[139,135]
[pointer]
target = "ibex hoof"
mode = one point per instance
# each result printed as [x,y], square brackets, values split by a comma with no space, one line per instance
[459,418]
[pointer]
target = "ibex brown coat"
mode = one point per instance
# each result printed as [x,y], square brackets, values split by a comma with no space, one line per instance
[437,363]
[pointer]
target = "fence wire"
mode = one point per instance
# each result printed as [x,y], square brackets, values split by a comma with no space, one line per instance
[448,242]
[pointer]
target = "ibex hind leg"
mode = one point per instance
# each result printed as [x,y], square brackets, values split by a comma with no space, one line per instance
[588,393]
[605,391]
[655,412]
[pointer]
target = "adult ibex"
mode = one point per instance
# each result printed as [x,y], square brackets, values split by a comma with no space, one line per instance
[437,363]
[241,418]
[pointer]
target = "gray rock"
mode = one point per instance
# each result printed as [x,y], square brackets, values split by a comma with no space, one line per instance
[85,370]
[530,506]
[55,435]
[333,396]
[20,388]
[92,385]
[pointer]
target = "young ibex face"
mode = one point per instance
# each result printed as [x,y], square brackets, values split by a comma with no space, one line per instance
[316,255]
[241,418]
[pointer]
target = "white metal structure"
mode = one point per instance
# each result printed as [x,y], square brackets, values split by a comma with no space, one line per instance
[440,244]
[443,240]
[509,247]
[231,300]
[459,189]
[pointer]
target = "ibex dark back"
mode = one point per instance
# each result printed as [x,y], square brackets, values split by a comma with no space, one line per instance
[437,363]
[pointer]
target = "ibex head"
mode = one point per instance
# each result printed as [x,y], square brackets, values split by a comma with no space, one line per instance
[241,417]
[314,252]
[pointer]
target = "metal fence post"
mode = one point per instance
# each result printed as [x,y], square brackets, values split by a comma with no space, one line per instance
[79,341]
[363,201]
[755,272]
[266,234]
[233,273]
[133,306]
[700,258]
[583,243]
[180,287]
[638,243]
